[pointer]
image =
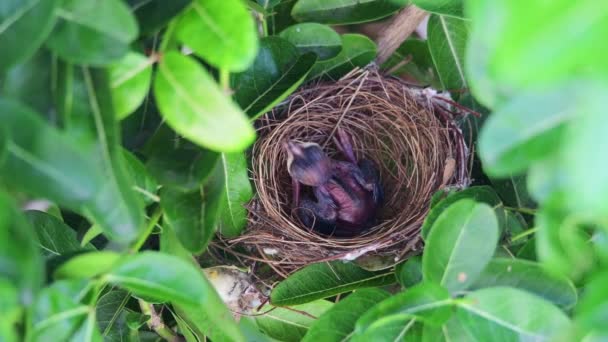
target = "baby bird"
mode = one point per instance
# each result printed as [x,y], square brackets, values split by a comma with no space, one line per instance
[348,193]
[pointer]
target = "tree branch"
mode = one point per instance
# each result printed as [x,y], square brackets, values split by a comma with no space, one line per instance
[398,30]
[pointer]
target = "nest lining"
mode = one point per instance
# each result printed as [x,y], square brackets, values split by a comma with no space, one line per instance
[408,132]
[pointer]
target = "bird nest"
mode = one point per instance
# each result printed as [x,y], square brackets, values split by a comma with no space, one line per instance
[409,132]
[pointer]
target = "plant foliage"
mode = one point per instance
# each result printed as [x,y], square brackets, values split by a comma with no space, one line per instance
[124,135]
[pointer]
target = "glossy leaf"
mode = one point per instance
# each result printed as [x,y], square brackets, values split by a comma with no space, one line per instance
[30,81]
[168,278]
[561,244]
[237,193]
[169,244]
[509,314]
[192,104]
[549,42]
[590,313]
[357,51]
[481,194]
[426,302]
[275,73]
[113,316]
[54,236]
[87,265]
[344,11]
[460,245]
[24,25]
[528,276]
[313,37]
[93,32]
[143,182]
[447,37]
[324,280]
[152,15]
[337,323]
[584,180]
[20,261]
[52,165]
[130,81]
[288,325]
[445,7]
[178,163]
[58,314]
[184,211]
[222,32]
[409,272]
[526,129]
[394,328]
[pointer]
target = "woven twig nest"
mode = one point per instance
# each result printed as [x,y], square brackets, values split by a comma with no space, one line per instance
[410,133]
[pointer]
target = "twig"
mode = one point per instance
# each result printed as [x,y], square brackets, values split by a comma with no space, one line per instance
[400,28]
[156,322]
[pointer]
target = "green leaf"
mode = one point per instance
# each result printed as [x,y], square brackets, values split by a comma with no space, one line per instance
[30,81]
[528,276]
[446,7]
[184,212]
[513,191]
[275,73]
[113,316]
[357,51]
[176,162]
[24,25]
[143,182]
[526,129]
[280,17]
[192,104]
[481,194]
[447,37]
[324,280]
[345,11]
[130,79]
[57,314]
[20,261]
[419,67]
[337,323]
[409,272]
[87,265]
[54,236]
[237,192]
[508,314]
[152,15]
[395,328]
[426,302]
[10,310]
[581,165]
[93,32]
[51,164]
[87,114]
[169,244]
[561,243]
[284,324]
[220,32]
[460,245]
[562,32]
[168,278]
[590,313]
[313,37]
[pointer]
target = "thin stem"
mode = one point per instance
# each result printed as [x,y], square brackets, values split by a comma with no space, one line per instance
[264,26]
[144,236]
[524,234]
[156,322]
[225,80]
[528,211]
[167,37]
